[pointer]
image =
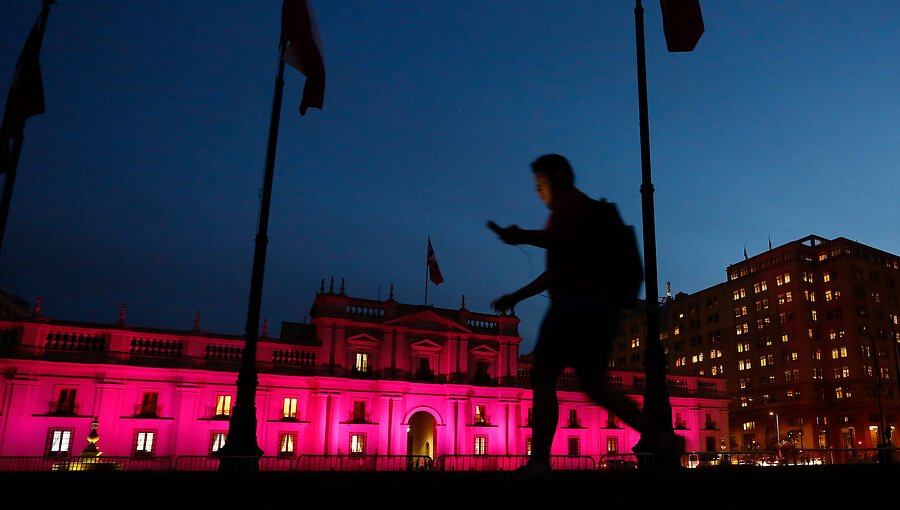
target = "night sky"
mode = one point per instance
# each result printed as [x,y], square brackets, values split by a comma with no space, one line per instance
[140,184]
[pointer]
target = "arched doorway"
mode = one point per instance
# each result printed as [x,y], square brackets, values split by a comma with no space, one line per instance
[421,435]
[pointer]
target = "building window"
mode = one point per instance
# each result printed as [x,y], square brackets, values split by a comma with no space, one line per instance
[425,372]
[59,442]
[760,286]
[743,347]
[744,364]
[357,444]
[286,444]
[574,420]
[65,402]
[782,279]
[480,445]
[481,415]
[290,408]
[359,411]
[148,405]
[144,442]
[223,406]
[361,364]
[612,444]
[217,441]
[749,426]
[574,446]
[528,446]
[528,418]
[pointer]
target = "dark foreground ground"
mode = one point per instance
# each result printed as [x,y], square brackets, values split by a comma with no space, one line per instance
[849,487]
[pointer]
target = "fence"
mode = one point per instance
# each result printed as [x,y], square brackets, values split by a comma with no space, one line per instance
[371,463]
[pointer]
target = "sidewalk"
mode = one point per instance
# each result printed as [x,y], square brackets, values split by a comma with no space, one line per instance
[732,487]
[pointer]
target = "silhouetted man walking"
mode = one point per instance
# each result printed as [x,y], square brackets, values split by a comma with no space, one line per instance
[580,324]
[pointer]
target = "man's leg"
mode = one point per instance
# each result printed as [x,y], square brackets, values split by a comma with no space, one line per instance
[545,410]
[595,383]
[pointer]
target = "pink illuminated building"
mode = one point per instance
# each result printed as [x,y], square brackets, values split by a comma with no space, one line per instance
[365,377]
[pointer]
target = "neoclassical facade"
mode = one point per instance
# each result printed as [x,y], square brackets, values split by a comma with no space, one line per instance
[364,378]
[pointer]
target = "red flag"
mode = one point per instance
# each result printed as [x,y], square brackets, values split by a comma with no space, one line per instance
[434,271]
[682,24]
[302,50]
[26,94]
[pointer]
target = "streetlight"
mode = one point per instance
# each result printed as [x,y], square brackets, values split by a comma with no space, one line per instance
[682,26]
[777,428]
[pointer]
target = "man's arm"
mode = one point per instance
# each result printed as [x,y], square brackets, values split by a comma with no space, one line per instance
[515,235]
[508,301]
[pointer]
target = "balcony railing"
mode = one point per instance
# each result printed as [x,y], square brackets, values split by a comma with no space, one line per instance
[57,408]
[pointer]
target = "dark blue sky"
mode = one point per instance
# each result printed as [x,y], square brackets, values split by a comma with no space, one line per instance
[139,185]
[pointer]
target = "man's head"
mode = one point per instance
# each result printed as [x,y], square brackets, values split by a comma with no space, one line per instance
[552,173]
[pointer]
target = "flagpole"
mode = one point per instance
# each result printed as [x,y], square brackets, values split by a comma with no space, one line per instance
[11,166]
[241,439]
[428,239]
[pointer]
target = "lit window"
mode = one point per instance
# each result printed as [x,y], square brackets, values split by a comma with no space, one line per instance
[223,405]
[286,444]
[480,445]
[480,415]
[808,277]
[612,444]
[749,426]
[528,446]
[290,408]
[59,442]
[835,353]
[216,441]
[838,392]
[843,351]
[635,342]
[785,338]
[759,286]
[826,277]
[361,364]
[828,295]
[845,372]
[357,444]
[144,442]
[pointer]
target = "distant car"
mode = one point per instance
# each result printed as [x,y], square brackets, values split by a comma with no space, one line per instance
[618,464]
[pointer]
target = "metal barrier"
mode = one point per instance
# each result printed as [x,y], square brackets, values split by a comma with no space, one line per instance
[511,462]
[696,459]
[363,463]
[234,463]
[104,463]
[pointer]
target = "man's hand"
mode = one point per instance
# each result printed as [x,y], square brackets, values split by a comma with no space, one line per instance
[509,235]
[504,303]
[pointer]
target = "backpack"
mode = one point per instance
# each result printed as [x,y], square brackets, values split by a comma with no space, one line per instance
[620,256]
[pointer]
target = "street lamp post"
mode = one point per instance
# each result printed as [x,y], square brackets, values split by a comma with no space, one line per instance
[683,25]
[777,434]
[777,431]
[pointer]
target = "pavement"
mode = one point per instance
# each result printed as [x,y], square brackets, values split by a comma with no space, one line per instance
[731,487]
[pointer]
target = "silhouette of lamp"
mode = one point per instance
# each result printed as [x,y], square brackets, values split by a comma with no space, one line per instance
[92,451]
